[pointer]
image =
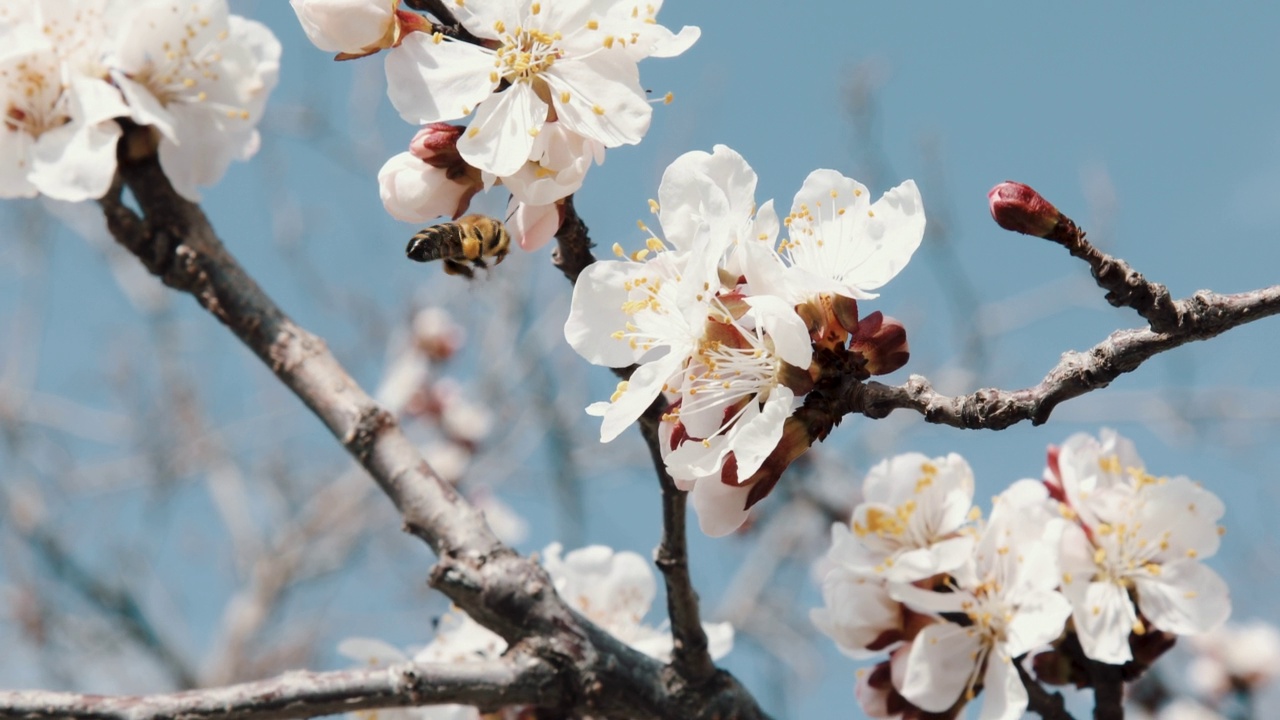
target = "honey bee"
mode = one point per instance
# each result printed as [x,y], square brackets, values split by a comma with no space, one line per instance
[469,239]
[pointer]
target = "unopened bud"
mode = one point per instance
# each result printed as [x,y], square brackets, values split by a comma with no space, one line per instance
[437,144]
[1018,208]
[882,342]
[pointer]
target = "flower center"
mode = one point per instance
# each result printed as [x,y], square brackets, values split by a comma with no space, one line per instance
[185,71]
[526,53]
[37,100]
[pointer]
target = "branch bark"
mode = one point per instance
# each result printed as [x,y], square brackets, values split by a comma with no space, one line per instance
[509,594]
[1202,316]
[690,655]
[489,685]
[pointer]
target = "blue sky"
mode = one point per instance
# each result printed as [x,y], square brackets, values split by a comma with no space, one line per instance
[1156,126]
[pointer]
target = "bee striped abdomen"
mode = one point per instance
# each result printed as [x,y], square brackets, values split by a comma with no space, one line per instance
[470,239]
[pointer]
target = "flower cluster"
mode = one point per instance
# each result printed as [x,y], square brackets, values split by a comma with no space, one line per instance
[730,329]
[612,589]
[552,85]
[956,601]
[198,76]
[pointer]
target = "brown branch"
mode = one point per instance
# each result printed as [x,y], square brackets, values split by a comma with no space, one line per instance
[1108,690]
[509,594]
[489,685]
[573,251]
[1047,705]
[449,24]
[689,656]
[1202,316]
[1125,286]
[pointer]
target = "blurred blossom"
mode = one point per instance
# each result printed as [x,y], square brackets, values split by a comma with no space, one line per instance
[436,334]
[448,459]
[505,522]
[1233,656]
[201,77]
[615,590]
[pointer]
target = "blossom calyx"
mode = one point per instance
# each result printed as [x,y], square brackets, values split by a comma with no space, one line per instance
[882,342]
[1019,208]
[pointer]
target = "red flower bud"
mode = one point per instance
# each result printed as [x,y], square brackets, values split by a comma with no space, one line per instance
[437,144]
[882,342]
[1018,208]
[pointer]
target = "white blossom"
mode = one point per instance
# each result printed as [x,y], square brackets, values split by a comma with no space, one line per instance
[1136,537]
[1008,593]
[59,132]
[1244,655]
[615,590]
[201,78]
[551,60]
[911,523]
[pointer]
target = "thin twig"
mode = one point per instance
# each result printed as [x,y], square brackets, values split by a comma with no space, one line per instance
[1047,705]
[690,656]
[1203,316]
[1125,286]
[489,685]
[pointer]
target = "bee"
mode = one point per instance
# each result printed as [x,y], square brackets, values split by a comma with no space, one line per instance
[469,239]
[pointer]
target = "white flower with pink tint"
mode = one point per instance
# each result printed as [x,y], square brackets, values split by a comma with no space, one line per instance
[1135,547]
[201,78]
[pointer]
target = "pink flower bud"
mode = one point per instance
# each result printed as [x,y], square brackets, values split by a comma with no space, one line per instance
[437,144]
[1018,208]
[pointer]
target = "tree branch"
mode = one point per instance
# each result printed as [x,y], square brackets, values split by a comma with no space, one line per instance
[573,251]
[690,656]
[1047,705]
[489,685]
[1108,690]
[1202,316]
[509,594]
[1125,286]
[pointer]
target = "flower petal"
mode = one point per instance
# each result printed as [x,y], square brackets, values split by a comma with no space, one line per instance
[501,135]
[939,664]
[429,81]
[721,508]
[1186,598]
[605,101]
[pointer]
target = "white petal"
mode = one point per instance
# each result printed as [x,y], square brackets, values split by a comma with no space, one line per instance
[789,334]
[501,135]
[344,25]
[858,614]
[15,165]
[433,82]
[1003,696]
[939,664]
[719,639]
[605,102]
[596,311]
[532,225]
[643,387]
[1104,618]
[1185,598]
[413,191]
[480,16]
[721,508]
[1038,621]
[896,231]
[756,437]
